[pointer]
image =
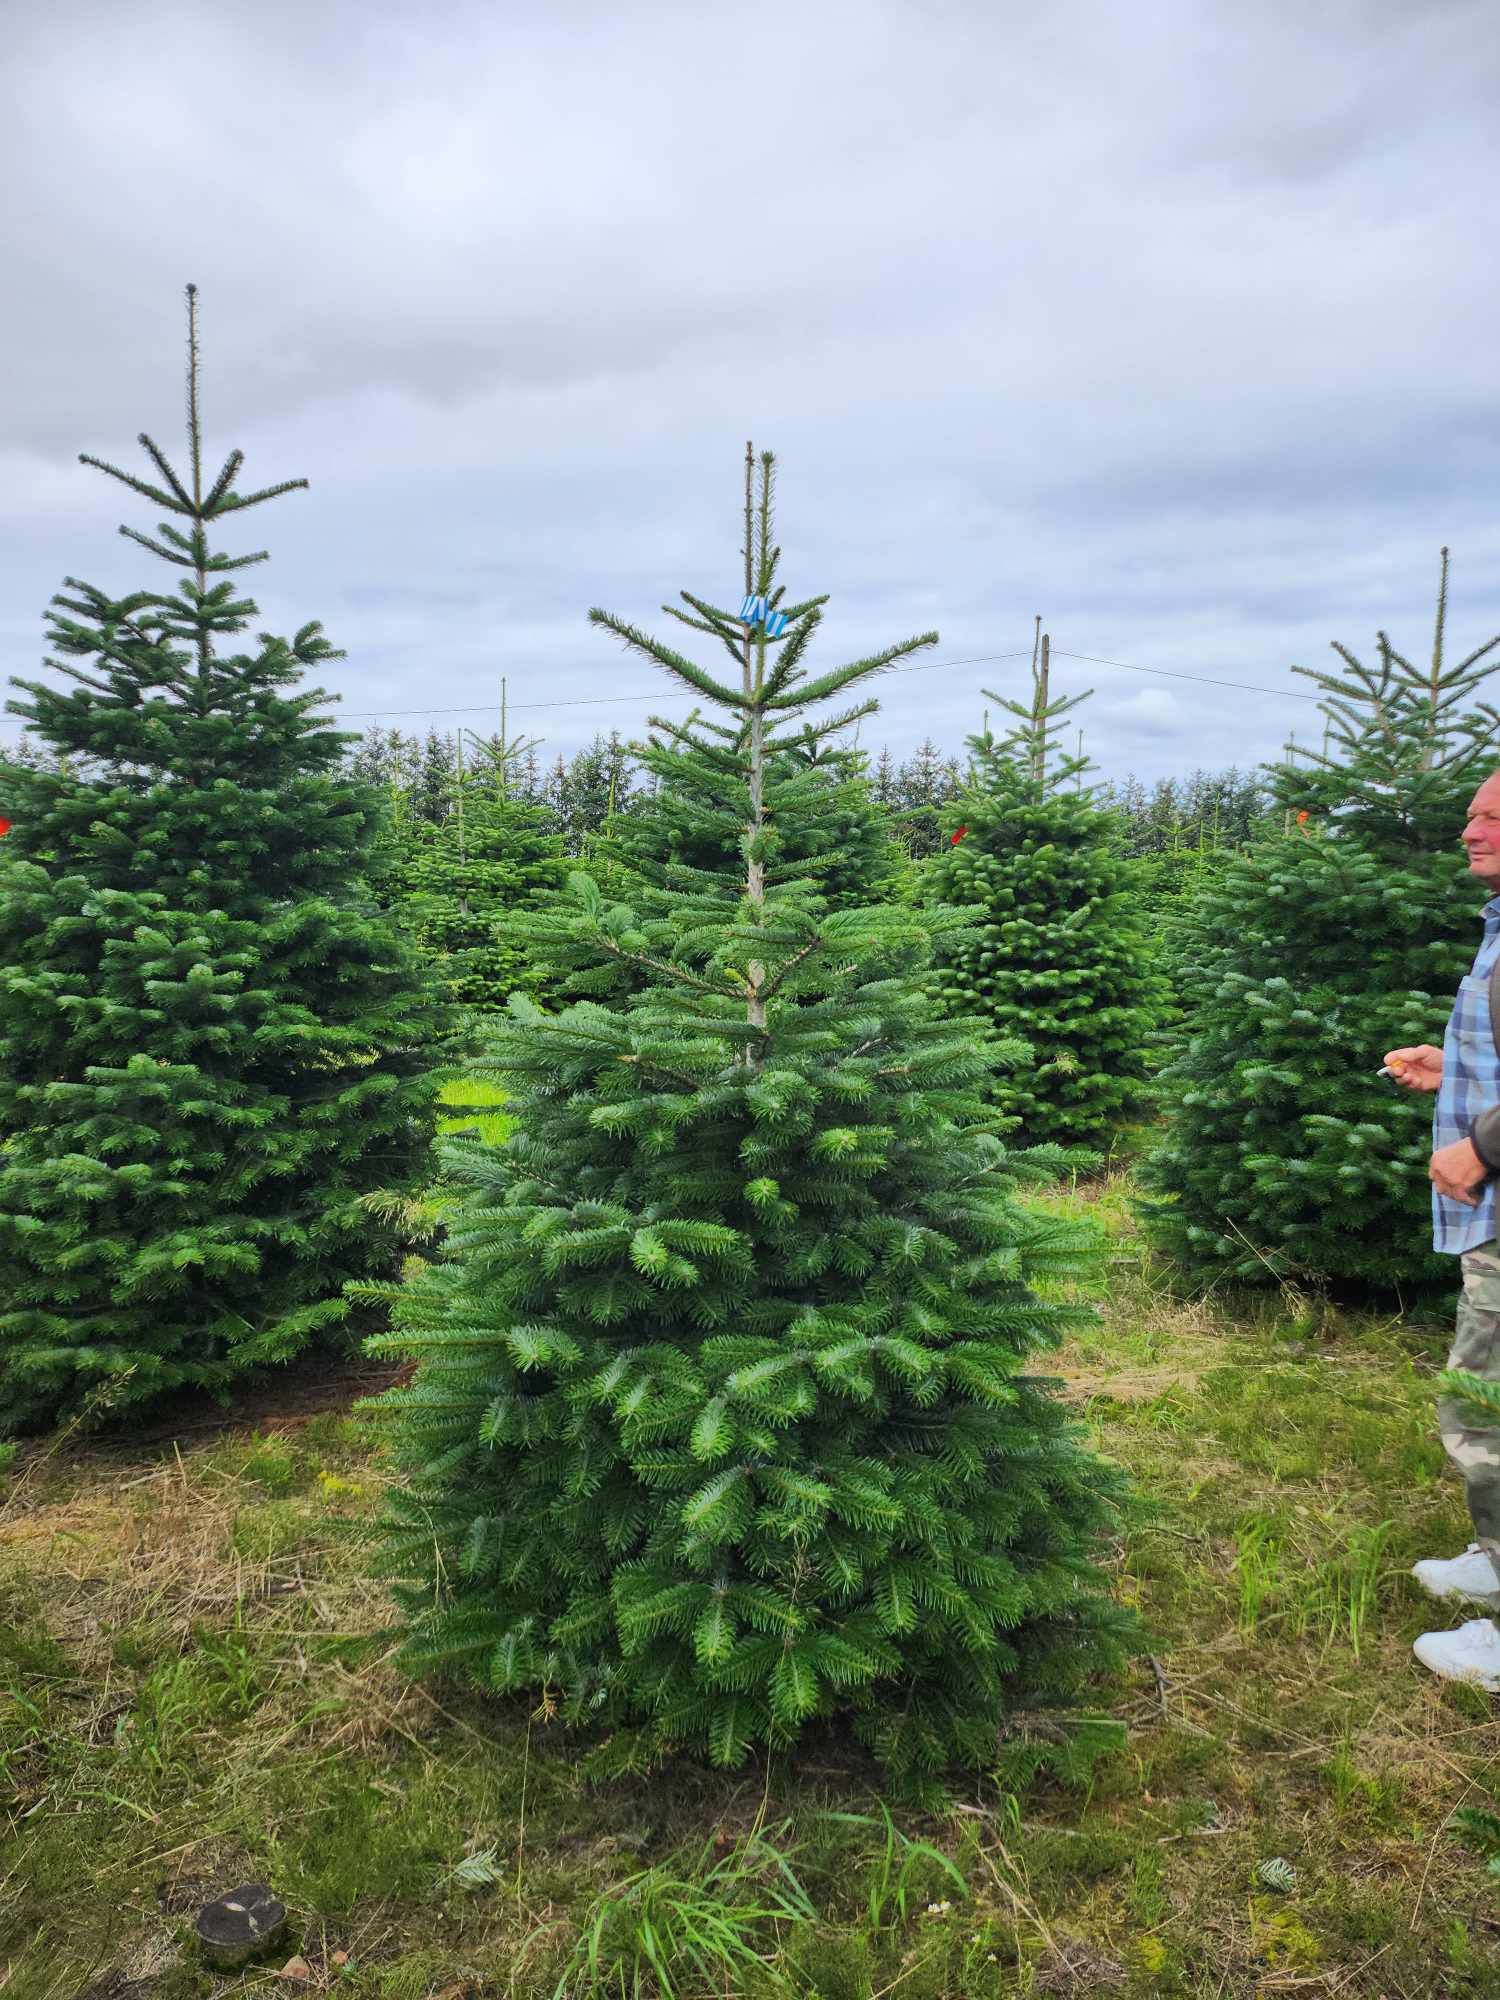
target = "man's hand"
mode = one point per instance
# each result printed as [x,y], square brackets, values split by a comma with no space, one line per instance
[1458,1172]
[1416,1069]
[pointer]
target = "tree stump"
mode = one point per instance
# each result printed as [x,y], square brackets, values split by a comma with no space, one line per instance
[233,1927]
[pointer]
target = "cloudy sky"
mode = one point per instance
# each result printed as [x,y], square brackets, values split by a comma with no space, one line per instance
[1172,323]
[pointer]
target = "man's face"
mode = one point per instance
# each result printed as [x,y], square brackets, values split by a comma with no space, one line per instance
[1481,837]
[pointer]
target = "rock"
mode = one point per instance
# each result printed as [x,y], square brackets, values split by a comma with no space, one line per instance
[234,1927]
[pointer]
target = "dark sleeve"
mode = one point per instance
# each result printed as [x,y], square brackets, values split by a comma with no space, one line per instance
[1486,1137]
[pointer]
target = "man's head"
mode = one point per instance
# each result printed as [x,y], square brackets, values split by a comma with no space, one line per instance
[1481,837]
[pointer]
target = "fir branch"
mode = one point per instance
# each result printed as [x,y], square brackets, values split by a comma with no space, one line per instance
[167,555]
[671,662]
[234,502]
[141,486]
[165,469]
[216,492]
[841,677]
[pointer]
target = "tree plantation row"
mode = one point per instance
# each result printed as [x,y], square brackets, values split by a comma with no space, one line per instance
[723,1415]
[584,793]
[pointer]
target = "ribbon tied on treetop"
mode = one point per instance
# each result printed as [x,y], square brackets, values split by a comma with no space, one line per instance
[755,611]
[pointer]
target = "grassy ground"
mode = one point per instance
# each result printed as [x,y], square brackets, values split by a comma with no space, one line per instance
[195,1692]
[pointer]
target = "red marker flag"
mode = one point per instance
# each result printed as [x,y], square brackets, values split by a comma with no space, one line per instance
[4,828]
[954,839]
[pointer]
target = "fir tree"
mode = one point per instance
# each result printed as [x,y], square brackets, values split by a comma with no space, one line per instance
[724,1419]
[434,782]
[30,756]
[1311,953]
[210,1045]
[491,859]
[927,783]
[884,781]
[591,791]
[1062,960]
[387,760]
[384,758]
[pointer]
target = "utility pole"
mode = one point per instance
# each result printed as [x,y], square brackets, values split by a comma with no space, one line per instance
[463,898]
[504,752]
[1039,712]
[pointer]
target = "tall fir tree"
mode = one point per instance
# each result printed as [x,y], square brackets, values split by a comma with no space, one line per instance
[211,1046]
[1312,952]
[725,1419]
[1062,962]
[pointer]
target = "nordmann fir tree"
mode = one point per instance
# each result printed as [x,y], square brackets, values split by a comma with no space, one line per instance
[724,1420]
[493,859]
[1062,962]
[210,1044]
[1322,945]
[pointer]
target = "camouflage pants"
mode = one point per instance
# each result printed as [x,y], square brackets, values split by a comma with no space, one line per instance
[1476,1348]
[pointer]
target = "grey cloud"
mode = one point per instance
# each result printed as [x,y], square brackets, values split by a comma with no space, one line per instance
[1169,323]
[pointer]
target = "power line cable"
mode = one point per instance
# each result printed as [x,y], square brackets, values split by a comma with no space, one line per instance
[1204,680]
[923,667]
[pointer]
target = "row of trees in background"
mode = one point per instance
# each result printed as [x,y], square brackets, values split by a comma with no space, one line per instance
[606,780]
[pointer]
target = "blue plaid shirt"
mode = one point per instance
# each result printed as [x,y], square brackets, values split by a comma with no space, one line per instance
[1471,1084]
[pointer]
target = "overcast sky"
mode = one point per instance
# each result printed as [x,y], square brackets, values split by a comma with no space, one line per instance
[1173,323]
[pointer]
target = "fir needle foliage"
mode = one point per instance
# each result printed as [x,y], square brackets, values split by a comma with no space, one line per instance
[210,1044]
[677,857]
[725,1420]
[1341,934]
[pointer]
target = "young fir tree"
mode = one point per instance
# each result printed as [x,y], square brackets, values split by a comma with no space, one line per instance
[1062,961]
[211,1045]
[725,1419]
[494,858]
[1314,951]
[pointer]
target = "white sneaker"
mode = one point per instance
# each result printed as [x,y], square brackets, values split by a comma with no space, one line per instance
[1472,1653]
[1470,1578]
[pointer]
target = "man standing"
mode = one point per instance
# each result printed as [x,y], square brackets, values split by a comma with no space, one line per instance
[1465,1073]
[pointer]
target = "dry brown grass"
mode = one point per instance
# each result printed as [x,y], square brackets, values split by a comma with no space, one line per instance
[1267,1441]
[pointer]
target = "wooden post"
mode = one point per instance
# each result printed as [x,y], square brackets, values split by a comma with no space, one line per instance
[1039,714]
[504,754]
